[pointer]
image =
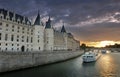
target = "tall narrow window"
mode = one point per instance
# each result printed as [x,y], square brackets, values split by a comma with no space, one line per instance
[31,39]
[6,37]
[0,35]
[17,38]
[22,38]
[12,37]
[27,39]
[38,41]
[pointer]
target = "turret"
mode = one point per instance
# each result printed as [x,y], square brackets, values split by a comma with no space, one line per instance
[23,21]
[1,14]
[48,23]
[37,20]
[63,29]
[14,15]
[8,16]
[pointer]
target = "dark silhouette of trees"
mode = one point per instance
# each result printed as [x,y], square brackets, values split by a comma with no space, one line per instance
[113,46]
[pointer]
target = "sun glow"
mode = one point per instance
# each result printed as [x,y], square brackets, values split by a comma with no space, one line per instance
[101,43]
[104,43]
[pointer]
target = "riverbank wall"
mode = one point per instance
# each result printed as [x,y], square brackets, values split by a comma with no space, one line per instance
[10,61]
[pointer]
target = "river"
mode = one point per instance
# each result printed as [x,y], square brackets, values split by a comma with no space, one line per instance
[108,65]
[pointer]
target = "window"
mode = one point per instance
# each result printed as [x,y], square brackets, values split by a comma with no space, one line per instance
[0,23]
[17,44]
[22,40]
[38,41]
[18,27]
[31,39]
[6,37]
[22,37]
[17,38]
[17,48]
[6,44]
[13,26]
[12,44]
[27,39]
[12,48]
[6,49]
[0,35]
[6,29]
[23,28]
[0,43]
[0,28]
[6,25]
[13,30]
[39,48]
[12,37]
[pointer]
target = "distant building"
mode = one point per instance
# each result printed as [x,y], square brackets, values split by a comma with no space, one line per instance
[18,34]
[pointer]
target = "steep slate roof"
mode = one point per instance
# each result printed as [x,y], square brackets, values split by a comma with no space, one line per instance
[17,16]
[37,20]
[48,24]
[63,29]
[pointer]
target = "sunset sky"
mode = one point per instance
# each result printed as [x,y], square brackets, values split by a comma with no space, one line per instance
[90,21]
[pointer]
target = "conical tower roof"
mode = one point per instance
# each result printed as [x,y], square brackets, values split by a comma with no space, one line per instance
[48,23]
[37,20]
[63,29]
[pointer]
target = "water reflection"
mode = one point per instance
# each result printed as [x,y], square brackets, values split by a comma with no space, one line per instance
[107,66]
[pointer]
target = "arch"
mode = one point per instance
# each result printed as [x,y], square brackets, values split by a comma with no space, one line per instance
[23,48]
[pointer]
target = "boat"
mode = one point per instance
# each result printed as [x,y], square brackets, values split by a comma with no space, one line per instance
[103,51]
[90,56]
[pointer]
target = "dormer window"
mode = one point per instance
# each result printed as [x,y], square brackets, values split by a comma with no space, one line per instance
[18,20]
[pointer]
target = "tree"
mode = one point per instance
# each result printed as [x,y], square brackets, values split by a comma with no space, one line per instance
[83,46]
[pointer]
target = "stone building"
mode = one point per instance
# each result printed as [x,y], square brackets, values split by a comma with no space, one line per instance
[18,34]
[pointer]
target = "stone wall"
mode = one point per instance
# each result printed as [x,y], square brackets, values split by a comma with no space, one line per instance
[17,60]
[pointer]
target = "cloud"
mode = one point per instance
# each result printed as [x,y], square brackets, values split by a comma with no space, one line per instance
[88,20]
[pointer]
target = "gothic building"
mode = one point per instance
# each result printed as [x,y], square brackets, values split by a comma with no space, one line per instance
[18,34]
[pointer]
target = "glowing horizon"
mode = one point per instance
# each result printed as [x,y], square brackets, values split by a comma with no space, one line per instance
[101,43]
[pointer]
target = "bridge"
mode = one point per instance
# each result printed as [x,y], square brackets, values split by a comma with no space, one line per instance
[107,49]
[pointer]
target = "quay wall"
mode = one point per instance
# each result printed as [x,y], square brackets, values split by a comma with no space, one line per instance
[18,60]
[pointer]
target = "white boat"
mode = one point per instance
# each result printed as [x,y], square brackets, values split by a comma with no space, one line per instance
[90,56]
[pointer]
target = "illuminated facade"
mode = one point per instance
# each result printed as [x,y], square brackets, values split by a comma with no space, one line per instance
[18,34]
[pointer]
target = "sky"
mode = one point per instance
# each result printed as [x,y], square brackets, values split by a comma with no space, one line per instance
[88,20]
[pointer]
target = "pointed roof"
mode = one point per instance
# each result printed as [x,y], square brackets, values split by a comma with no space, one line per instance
[63,29]
[37,20]
[48,23]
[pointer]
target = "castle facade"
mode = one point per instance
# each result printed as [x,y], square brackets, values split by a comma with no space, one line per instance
[18,34]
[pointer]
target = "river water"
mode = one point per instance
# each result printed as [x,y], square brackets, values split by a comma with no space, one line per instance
[108,65]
